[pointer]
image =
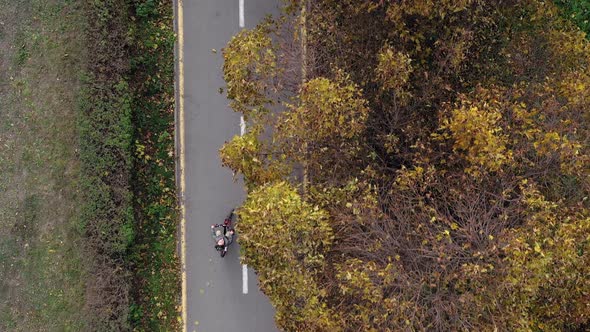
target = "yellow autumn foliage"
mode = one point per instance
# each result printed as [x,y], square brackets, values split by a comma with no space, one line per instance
[409,144]
[477,132]
[393,71]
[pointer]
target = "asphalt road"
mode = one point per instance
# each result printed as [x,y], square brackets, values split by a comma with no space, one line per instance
[214,290]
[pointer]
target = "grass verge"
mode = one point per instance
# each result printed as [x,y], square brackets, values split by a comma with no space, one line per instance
[42,266]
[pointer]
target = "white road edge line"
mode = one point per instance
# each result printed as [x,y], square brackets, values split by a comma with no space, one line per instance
[244,266]
[242,126]
[242,14]
[245,279]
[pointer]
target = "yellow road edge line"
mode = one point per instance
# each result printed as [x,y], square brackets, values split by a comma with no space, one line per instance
[180,32]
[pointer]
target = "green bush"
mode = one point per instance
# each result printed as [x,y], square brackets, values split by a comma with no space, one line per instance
[578,11]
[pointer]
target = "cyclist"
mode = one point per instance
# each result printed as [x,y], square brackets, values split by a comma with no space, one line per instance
[223,234]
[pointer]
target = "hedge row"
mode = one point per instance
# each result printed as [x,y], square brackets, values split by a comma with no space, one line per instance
[106,133]
[127,143]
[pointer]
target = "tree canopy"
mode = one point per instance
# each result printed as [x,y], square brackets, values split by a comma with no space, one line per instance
[416,165]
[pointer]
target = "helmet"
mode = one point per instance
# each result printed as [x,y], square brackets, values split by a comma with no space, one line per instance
[221,242]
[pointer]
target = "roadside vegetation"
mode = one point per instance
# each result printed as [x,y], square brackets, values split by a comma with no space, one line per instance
[429,167]
[127,125]
[87,191]
[153,258]
[106,134]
